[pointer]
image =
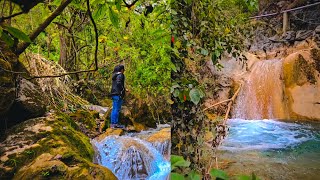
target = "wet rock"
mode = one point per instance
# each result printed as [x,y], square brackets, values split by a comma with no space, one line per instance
[109,132]
[160,136]
[161,140]
[41,149]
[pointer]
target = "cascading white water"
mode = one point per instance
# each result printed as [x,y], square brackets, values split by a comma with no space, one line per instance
[258,141]
[262,94]
[132,158]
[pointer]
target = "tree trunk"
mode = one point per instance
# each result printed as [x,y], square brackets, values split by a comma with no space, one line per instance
[22,47]
[63,48]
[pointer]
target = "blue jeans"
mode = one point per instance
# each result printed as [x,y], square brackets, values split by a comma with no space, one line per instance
[116,107]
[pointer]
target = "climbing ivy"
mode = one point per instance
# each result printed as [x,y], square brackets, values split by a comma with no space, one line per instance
[202,31]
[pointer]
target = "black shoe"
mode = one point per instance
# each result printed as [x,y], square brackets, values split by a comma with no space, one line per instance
[120,126]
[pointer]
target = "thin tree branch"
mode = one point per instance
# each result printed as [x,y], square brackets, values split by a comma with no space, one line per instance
[74,72]
[11,16]
[227,100]
[230,103]
[44,25]
[64,26]
[96,36]
[288,10]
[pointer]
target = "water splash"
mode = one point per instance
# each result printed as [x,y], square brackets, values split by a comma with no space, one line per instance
[131,158]
[262,94]
[266,135]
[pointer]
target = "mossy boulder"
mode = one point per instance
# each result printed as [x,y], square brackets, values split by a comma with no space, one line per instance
[301,85]
[48,147]
[125,118]
[86,121]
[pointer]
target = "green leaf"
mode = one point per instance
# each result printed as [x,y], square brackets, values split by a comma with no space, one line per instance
[176,176]
[118,4]
[56,2]
[214,59]
[219,174]
[193,175]
[7,39]
[114,17]
[173,87]
[243,177]
[101,12]
[143,53]
[204,52]
[173,12]
[176,92]
[178,161]
[195,95]
[202,94]
[17,33]
[173,67]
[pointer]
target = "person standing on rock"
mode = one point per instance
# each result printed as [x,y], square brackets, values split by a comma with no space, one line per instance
[117,94]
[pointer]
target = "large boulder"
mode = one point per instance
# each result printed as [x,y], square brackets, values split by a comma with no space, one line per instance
[29,103]
[302,85]
[48,148]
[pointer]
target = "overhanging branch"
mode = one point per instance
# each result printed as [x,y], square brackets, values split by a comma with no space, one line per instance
[44,25]
[74,72]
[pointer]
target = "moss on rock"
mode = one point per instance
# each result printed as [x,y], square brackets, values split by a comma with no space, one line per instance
[48,147]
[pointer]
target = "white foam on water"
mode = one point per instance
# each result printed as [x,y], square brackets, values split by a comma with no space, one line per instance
[265,134]
[131,158]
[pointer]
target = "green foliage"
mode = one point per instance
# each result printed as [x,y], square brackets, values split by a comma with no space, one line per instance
[193,175]
[17,33]
[196,95]
[178,161]
[45,173]
[176,176]
[216,173]
[7,39]
[180,168]
[202,30]
[114,17]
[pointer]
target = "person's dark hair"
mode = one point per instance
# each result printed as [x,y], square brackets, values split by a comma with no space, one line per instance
[116,69]
[121,67]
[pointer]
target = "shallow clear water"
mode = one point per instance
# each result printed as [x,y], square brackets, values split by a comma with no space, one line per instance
[272,149]
[133,158]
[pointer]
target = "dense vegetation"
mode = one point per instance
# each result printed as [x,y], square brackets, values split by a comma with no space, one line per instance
[136,34]
[202,31]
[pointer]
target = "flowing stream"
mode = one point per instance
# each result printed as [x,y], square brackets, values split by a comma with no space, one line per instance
[258,142]
[136,156]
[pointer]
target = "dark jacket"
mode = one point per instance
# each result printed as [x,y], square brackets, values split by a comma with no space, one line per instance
[118,84]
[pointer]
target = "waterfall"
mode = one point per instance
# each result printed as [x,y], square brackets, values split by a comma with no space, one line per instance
[133,158]
[262,94]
